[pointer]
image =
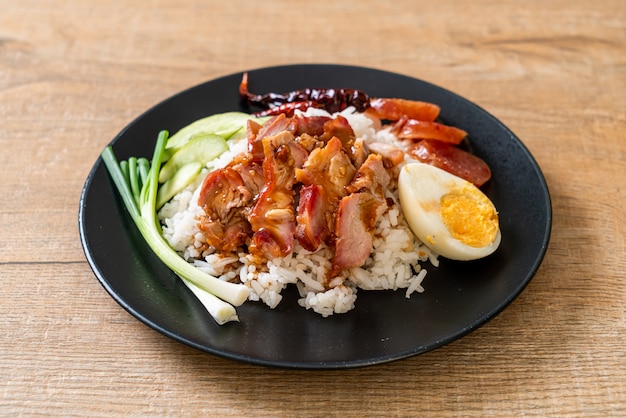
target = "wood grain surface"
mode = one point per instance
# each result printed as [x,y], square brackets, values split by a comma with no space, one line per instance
[73,73]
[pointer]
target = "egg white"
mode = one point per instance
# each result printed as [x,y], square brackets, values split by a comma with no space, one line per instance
[420,188]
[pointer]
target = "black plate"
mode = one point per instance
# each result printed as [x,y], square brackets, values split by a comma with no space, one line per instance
[384,326]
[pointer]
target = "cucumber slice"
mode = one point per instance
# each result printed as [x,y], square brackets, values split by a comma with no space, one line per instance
[222,124]
[201,149]
[181,179]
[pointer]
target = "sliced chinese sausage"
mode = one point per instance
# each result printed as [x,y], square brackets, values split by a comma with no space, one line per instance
[412,129]
[394,109]
[452,159]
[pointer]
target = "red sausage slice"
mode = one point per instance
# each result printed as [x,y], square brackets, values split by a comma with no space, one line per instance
[453,160]
[415,130]
[394,109]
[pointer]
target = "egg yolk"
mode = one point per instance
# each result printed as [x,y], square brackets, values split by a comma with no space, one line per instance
[469,216]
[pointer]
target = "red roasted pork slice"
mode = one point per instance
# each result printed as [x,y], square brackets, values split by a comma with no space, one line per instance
[257,133]
[371,176]
[392,155]
[358,214]
[324,176]
[311,125]
[340,128]
[356,218]
[251,173]
[222,197]
[255,148]
[273,217]
[329,167]
[312,224]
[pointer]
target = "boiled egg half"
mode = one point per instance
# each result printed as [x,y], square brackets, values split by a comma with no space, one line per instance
[448,214]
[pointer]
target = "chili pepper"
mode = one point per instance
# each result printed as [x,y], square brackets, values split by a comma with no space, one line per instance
[331,100]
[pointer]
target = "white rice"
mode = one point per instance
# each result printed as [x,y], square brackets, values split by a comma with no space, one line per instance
[394,263]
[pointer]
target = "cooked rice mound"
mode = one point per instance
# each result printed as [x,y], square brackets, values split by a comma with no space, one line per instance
[394,263]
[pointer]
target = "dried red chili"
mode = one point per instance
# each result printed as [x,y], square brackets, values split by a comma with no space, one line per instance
[330,99]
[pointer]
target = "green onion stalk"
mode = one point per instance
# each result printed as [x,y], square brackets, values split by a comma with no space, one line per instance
[137,181]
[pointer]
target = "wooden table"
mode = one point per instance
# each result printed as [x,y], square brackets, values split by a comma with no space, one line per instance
[73,73]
